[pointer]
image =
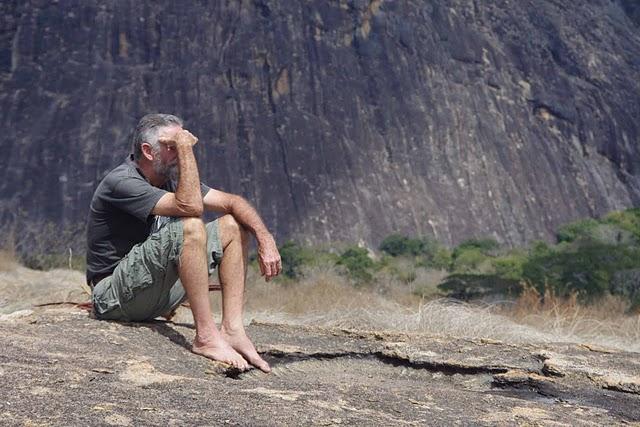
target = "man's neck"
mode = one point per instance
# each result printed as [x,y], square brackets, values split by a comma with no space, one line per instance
[147,171]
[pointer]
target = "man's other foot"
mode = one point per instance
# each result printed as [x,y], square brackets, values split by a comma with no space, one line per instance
[220,351]
[243,345]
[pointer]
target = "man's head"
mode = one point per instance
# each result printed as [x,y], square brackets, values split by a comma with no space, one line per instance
[146,146]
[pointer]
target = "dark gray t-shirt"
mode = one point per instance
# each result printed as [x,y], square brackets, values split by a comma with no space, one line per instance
[120,216]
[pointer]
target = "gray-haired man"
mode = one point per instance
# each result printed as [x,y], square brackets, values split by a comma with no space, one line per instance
[148,247]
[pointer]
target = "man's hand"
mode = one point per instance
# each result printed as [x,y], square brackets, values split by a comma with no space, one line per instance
[182,137]
[269,258]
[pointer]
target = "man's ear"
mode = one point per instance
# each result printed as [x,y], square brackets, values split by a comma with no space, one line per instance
[147,151]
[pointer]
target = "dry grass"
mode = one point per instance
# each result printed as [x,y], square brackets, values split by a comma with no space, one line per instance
[602,322]
[321,288]
[8,256]
[8,260]
[323,297]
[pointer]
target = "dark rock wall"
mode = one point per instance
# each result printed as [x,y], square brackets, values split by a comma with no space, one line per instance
[341,120]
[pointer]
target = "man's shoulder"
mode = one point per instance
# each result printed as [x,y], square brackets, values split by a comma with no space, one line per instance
[125,170]
[116,177]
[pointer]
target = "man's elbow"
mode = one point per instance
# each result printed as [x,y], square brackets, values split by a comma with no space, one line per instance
[191,209]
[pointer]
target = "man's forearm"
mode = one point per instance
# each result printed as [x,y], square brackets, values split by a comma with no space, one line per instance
[188,193]
[246,215]
[269,257]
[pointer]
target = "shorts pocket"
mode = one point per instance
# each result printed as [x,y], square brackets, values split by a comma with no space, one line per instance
[136,278]
[105,303]
[140,269]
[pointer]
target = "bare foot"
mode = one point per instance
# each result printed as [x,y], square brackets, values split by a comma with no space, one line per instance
[243,345]
[219,350]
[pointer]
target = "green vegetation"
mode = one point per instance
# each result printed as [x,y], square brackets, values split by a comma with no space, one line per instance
[294,257]
[426,252]
[484,246]
[591,259]
[572,231]
[469,286]
[397,245]
[358,263]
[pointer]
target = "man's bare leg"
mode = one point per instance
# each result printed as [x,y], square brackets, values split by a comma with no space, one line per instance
[209,342]
[232,272]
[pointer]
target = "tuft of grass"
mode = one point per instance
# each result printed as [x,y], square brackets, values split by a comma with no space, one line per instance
[8,260]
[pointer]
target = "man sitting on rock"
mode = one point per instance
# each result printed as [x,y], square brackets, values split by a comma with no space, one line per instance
[148,248]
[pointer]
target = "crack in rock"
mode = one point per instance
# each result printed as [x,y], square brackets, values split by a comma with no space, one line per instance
[387,358]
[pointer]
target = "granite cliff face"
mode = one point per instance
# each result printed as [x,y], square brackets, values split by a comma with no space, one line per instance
[342,120]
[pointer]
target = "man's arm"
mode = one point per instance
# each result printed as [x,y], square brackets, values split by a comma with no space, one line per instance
[187,200]
[268,255]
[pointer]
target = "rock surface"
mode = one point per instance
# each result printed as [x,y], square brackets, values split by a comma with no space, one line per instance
[349,119]
[60,367]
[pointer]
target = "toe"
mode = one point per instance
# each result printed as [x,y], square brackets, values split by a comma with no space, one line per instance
[264,366]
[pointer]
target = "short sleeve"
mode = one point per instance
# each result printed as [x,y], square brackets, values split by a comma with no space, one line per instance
[204,189]
[135,196]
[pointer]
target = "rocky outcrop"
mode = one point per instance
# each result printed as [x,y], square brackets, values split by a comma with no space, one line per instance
[343,120]
[60,367]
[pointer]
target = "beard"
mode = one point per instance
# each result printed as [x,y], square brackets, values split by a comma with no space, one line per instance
[169,171]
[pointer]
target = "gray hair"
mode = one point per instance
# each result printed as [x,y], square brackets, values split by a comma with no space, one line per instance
[147,131]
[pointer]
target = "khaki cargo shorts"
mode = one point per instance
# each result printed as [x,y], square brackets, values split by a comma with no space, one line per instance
[145,283]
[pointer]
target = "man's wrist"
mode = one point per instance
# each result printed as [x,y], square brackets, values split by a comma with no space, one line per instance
[264,237]
[183,144]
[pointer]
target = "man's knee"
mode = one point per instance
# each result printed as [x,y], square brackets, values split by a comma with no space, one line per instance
[193,231]
[230,228]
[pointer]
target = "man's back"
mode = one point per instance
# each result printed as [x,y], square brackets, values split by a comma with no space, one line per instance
[119,217]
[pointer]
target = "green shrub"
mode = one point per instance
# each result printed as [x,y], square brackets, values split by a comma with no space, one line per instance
[587,268]
[441,259]
[485,246]
[612,234]
[510,266]
[617,229]
[426,252]
[293,257]
[626,283]
[468,260]
[397,245]
[470,286]
[592,258]
[576,230]
[628,220]
[357,262]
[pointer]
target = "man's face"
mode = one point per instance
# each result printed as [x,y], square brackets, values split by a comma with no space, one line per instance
[165,159]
